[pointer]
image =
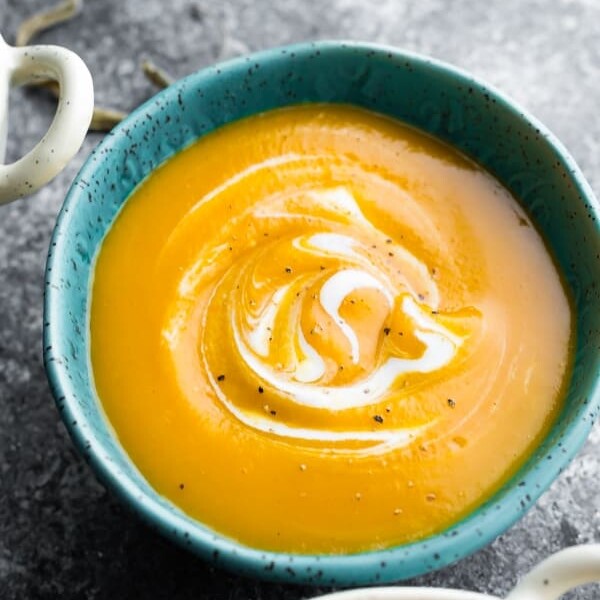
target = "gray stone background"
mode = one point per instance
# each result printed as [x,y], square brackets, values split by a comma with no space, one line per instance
[61,534]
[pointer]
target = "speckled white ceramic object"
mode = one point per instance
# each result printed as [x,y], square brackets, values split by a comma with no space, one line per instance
[67,131]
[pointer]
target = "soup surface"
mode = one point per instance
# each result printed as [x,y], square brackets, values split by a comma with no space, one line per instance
[319,330]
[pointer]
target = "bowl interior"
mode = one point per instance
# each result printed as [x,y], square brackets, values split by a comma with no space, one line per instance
[431,96]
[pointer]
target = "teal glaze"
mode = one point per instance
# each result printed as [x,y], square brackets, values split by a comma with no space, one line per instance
[427,94]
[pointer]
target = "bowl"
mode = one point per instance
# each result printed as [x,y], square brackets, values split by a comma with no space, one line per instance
[437,98]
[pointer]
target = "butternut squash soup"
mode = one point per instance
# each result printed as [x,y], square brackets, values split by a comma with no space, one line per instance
[319,330]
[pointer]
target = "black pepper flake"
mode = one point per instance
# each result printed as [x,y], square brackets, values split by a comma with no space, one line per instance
[421,297]
[181,486]
[386,330]
[451,403]
[288,269]
[388,241]
[273,412]
[261,389]
[221,377]
[378,418]
[390,254]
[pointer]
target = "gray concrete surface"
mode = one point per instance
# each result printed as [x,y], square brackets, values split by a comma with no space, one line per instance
[61,534]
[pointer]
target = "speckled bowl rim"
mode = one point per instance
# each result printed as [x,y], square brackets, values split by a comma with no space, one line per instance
[401,562]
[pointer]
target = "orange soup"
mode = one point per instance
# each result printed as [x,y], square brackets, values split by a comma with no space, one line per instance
[319,330]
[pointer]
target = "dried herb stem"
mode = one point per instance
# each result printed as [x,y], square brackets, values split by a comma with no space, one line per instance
[156,75]
[103,118]
[44,20]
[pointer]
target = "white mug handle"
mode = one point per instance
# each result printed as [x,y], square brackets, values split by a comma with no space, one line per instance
[560,573]
[71,121]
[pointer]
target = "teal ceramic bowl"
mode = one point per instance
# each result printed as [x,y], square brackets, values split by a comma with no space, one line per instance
[429,95]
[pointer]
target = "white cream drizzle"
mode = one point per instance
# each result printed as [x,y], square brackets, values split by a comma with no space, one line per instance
[261,327]
[311,367]
[337,288]
[378,441]
[440,347]
[300,382]
[341,201]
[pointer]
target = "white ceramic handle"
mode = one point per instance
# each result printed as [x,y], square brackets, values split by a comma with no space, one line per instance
[560,573]
[71,121]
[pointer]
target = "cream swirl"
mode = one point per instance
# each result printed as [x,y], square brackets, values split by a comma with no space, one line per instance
[305,367]
[326,316]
